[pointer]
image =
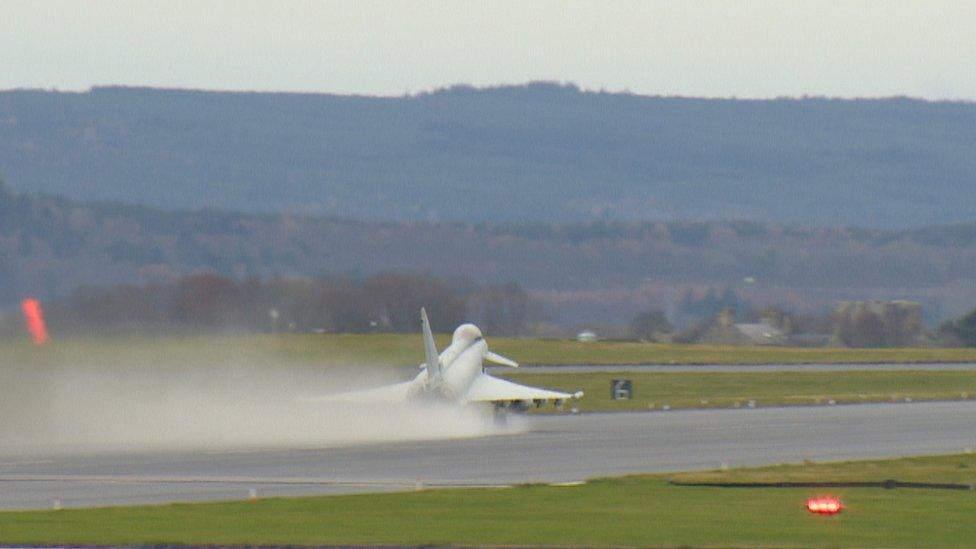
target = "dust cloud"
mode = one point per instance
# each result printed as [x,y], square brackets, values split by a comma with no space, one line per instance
[83,406]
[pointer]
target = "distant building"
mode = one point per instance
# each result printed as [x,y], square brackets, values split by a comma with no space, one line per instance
[761,333]
[727,332]
[810,340]
[586,336]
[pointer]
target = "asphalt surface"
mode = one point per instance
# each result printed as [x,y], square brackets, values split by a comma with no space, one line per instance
[733,368]
[562,448]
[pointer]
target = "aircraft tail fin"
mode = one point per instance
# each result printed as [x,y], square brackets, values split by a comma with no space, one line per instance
[430,349]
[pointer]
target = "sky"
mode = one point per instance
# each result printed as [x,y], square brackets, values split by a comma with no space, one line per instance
[754,48]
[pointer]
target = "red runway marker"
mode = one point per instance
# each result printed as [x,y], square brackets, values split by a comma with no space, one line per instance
[824,505]
[34,319]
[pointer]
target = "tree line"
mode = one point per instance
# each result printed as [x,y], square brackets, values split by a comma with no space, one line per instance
[390,302]
[209,302]
[584,273]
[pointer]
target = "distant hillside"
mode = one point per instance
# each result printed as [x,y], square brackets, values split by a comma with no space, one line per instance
[537,153]
[582,272]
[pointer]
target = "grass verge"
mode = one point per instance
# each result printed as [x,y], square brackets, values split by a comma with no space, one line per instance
[722,390]
[631,511]
[398,350]
[652,390]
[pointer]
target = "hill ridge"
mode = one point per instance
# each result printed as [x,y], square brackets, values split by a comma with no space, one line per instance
[546,152]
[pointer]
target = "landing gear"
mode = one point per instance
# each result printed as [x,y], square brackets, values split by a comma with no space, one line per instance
[505,408]
[500,415]
[520,406]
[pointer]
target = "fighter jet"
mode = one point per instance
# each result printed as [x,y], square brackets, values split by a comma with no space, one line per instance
[458,375]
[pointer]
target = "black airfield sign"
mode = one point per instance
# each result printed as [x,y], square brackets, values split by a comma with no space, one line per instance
[621,389]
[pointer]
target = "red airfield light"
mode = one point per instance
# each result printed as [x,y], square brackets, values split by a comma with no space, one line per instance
[825,505]
[34,319]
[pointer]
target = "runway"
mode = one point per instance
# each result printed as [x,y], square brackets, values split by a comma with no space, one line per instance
[562,448]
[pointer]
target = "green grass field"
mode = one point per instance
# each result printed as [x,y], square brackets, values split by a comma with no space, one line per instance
[652,390]
[724,390]
[632,511]
[398,350]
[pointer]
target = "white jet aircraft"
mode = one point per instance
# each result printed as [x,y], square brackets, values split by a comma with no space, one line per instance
[458,375]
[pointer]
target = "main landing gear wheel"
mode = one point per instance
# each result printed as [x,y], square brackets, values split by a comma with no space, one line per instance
[500,415]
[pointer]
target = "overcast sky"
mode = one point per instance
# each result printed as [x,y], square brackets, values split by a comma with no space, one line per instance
[718,49]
